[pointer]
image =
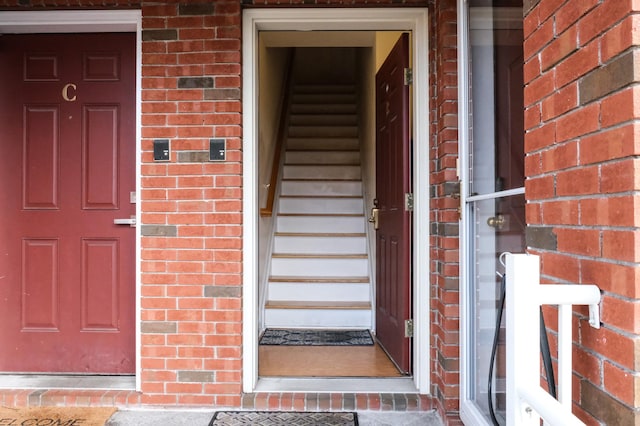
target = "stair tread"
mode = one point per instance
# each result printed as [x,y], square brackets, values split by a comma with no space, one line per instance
[322,196]
[290,279]
[323,164]
[320,180]
[319,139]
[319,256]
[349,114]
[340,126]
[324,151]
[323,87]
[322,214]
[321,234]
[286,304]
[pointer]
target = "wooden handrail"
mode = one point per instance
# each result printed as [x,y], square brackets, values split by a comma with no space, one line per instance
[282,125]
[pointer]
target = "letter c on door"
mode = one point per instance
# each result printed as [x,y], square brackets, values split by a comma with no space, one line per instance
[65,92]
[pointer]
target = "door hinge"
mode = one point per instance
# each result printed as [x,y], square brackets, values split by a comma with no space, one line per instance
[408,328]
[408,201]
[408,76]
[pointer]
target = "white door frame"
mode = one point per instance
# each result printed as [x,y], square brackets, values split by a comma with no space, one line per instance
[95,21]
[361,19]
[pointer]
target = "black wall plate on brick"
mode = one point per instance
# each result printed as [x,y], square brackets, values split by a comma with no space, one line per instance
[217,149]
[161,150]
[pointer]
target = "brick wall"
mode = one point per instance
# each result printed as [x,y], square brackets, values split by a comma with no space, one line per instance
[192,214]
[444,215]
[191,208]
[583,177]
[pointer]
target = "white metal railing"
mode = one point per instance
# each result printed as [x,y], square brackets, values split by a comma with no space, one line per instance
[527,401]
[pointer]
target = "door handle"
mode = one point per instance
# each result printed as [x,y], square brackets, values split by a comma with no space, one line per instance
[130,221]
[374,217]
[496,221]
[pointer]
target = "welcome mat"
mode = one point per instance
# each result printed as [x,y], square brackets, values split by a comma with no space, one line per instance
[279,418]
[302,337]
[56,416]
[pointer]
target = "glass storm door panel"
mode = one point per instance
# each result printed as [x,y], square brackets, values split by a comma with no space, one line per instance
[492,154]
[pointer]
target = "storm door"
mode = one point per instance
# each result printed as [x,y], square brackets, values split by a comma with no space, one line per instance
[492,184]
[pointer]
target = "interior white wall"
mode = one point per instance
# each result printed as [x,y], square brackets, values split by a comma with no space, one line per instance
[272,66]
[367,120]
[385,40]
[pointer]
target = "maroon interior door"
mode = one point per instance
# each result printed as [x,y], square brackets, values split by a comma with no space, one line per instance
[67,169]
[393,291]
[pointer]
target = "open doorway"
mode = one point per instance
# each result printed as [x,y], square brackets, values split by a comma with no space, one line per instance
[343,62]
[335,280]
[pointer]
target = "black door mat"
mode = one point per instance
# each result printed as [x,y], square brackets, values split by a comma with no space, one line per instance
[306,337]
[280,418]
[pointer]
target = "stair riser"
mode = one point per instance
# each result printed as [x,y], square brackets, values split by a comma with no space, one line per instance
[298,267]
[312,292]
[323,131]
[323,143]
[320,224]
[329,245]
[324,188]
[317,318]
[324,88]
[321,172]
[324,157]
[328,108]
[323,98]
[323,119]
[321,205]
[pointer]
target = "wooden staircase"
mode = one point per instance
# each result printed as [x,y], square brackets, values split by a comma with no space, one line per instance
[320,264]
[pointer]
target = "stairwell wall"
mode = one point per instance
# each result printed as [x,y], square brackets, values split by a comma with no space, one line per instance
[273,63]
[366,124]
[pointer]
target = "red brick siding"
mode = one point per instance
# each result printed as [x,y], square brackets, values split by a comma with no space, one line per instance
[444,242]
[583,179]
[191,81]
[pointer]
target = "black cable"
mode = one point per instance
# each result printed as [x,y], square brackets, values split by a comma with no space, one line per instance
[544,348]
[494,349]
[546,357]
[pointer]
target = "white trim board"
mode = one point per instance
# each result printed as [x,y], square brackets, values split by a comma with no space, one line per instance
[82,21]
[337,385]
[344,19]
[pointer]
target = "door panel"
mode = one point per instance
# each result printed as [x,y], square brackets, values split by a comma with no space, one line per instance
[40,169]
[393,295]
[67,164]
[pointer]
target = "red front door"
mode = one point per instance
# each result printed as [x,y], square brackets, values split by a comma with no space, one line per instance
[393,292]
[67,170]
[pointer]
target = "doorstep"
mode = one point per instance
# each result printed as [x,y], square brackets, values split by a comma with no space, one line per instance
[311,401]
[118,391]
[32,390]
